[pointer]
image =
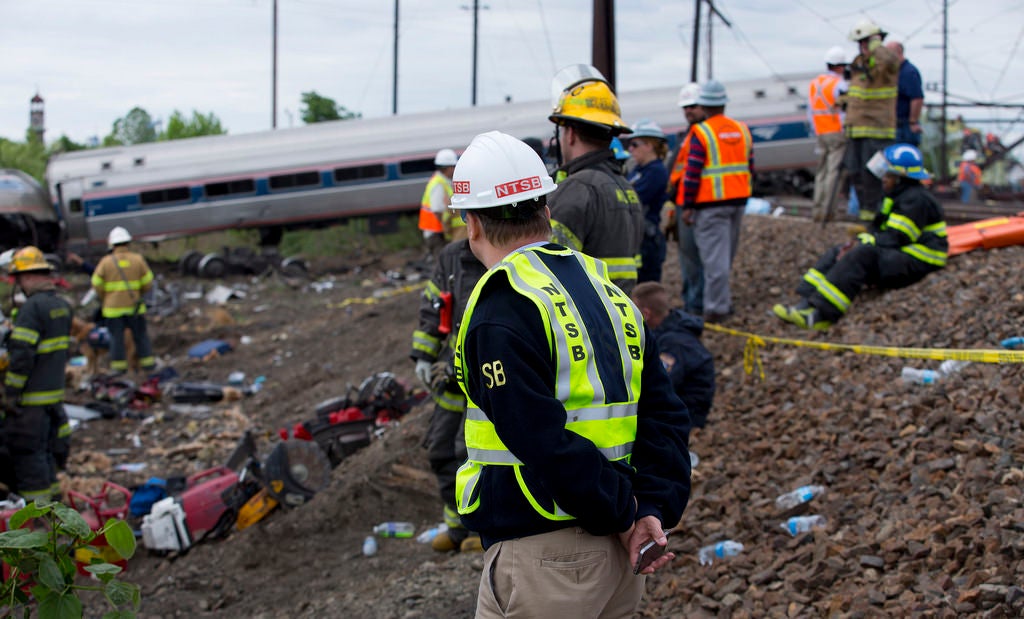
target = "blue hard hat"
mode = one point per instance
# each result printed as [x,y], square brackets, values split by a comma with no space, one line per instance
[905,160]
[712,93]
[620,152]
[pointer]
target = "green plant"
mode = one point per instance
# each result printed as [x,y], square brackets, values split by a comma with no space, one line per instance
[40,559]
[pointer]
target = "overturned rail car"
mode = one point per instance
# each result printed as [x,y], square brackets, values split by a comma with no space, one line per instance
[26,214]
[376,167]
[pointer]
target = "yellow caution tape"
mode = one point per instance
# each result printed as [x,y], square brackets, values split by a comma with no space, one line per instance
[377,296]
[752,359]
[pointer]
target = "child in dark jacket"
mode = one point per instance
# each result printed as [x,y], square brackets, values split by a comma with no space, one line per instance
[688,363]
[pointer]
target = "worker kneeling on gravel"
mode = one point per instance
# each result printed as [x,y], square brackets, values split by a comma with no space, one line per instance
[905,242]
[577,445]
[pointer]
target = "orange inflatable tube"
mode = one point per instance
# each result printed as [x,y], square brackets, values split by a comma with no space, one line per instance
[986,234]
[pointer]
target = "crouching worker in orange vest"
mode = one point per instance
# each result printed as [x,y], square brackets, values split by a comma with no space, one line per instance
[905,242]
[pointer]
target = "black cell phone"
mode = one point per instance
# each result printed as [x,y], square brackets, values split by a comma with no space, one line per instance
[648,553]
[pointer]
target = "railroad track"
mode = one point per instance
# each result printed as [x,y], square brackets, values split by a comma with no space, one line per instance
[956,213]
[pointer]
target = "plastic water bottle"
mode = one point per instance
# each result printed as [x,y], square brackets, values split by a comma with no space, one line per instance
[395,529]
[1012,342]
[795,497]
[369,546]
[428,536]
[952,366]
[919,377]
[720,550]
[802,524]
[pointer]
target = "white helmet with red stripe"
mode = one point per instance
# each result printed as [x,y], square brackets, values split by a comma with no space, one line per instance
[497,169]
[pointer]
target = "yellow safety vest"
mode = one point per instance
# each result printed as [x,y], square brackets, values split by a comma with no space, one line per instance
[611,426]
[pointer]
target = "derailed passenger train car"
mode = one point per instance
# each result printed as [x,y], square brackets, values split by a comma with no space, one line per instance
[26,215]
[376,167]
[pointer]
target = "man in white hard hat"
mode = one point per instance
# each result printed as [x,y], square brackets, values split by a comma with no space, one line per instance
[716,186]
[689,258]
[577,445]
[969,176]
[434,203]
[120,279]
[909,98]
[823,109]
[870,111]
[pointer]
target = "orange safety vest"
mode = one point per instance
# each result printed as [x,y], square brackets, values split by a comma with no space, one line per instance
[822,103]
[429,221]
[679,169]
[726,173]
[970,173]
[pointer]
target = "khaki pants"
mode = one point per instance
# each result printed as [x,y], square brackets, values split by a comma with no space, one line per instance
[831,148]
[565,573]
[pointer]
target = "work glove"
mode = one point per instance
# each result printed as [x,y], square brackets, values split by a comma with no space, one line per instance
[423,372]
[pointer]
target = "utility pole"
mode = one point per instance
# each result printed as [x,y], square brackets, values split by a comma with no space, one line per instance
[712,13]
[476,27]
[602,53]
[394,68]
[273,72]
[696,41]
[943,162]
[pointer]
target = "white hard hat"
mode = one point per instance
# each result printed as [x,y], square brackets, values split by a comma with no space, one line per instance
[970,155]
[864,29]
[688,94]
[118,236]
[445,157]
[836,56]
[647,128]
[497,169]
[6,258]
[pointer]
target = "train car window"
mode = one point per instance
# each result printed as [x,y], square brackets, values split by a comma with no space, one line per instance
[417,167]
[375,170]
[75,205]
[244,185]
[159,196]
[139,162]
[760,94]
[107,165]
[299,179]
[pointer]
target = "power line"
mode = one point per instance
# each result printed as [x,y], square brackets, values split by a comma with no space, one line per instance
[739,34]
[1006,66]
[811,10]
[547,36]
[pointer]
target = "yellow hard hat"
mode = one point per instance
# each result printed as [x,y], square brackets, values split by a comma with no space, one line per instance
[28,259]
[592,103]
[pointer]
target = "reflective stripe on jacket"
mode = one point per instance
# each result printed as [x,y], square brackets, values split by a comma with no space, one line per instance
[871,99]
[429,220]
[122,295]
[822,104]
[579,349]
[726,173]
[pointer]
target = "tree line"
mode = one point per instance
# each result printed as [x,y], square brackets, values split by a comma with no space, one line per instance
[139,127]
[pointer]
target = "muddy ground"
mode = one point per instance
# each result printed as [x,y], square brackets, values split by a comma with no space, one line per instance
[923,497]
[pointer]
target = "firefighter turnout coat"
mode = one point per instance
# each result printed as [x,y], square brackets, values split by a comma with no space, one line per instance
[120,279]
[596,211]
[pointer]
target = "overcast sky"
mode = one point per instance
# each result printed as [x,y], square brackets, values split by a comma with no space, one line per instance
[93,60]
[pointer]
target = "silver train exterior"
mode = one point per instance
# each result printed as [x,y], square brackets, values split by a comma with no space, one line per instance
[26,215]
[376,167]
